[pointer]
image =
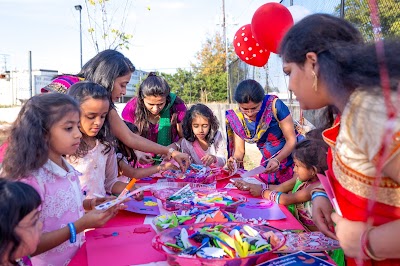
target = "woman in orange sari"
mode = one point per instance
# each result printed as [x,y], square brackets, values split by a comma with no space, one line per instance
[328,64]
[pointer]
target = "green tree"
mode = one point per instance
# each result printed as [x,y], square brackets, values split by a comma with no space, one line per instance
[183,84]
[358,12]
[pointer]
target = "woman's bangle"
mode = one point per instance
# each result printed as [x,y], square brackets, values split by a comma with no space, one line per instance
[170,151]
[366,247]
[319,194]
[265,186]
[178,146]
[279,163]
[72,232]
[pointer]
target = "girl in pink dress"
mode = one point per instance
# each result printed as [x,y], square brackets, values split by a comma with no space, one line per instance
[46,129]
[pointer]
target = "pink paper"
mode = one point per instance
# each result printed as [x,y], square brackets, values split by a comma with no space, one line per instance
[326,183]
[256,208]
[126,245]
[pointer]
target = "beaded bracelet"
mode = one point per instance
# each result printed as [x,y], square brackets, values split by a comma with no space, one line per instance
[272,195]
[262,193]
[72,231]
[265,186]
[319,194]
[278,195]
[366,247]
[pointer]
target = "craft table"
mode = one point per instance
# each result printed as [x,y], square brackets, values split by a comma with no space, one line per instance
[124,218]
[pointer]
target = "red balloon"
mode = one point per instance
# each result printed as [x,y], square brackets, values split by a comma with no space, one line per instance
[247,48]
[269,25]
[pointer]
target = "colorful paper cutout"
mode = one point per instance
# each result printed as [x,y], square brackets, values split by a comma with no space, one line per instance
[258,208]
[309,242]
[147,206]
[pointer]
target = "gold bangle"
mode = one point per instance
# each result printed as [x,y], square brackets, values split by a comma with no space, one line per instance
[368,248]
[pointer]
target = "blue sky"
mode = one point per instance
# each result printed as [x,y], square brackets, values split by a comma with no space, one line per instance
[164,38]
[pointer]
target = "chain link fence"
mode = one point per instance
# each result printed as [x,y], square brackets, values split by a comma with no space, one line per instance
[271,76]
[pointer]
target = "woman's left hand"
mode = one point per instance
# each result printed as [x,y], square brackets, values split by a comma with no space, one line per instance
[182,159]
[272,166]
[349,235]
[208,159]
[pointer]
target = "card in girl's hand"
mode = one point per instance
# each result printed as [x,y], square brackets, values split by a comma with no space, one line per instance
[106,205]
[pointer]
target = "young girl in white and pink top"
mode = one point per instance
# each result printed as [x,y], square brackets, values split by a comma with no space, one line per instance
[202,139]
[95,158]
[46,129]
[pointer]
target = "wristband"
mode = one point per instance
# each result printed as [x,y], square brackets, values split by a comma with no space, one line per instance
[278,195]
[72,231]
[318,194]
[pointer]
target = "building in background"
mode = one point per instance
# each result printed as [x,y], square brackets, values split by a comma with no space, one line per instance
[15,87]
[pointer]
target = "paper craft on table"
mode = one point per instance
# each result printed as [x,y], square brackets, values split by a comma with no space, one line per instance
[298,258]
[106,205]
[309,242]
[258,170]
[264,209]
[230,186]
[129,245]
[326,183]
[147,206]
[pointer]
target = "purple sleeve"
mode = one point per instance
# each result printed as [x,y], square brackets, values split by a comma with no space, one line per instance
[180,111]
[128,114]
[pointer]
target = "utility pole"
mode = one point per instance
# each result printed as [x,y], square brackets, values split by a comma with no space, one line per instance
[342,8]
[226,51]
[30,75]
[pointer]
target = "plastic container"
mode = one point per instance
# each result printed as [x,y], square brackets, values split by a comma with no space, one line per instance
[164,190]
[178,260]
[200,177]
[156,220]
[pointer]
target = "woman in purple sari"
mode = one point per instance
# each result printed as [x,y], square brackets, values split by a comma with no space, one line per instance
[266,121]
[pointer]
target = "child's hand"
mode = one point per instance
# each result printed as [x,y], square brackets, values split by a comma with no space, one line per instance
[208,159]
[169,166]
[97,218]
[230,164]
[242,185]
[143,157]
[90,204]
[255,190]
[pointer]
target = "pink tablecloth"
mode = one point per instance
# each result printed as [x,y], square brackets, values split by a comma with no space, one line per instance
[125,218]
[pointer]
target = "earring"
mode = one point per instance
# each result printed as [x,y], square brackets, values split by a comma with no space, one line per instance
[315,86]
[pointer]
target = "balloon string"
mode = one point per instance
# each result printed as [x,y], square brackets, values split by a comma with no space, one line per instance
[391,111]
